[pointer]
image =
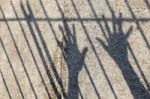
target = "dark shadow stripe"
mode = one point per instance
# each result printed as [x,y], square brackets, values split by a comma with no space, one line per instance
[126,19]
[20,57]
[46,49]
[139,67]
[12,69]
[98,22]
[40,53]
[5,85]
[147,4]
[137,23]
[144,37]
[31,52]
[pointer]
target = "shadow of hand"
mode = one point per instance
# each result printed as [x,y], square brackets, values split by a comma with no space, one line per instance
[117,39]
[73,57]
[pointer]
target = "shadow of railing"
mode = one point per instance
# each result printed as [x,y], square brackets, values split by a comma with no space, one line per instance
[19,54]
[29,19]
[12,69]
[138,25]
[31,52]
[73,57]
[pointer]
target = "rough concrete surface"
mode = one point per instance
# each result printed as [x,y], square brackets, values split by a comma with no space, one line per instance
[75,49]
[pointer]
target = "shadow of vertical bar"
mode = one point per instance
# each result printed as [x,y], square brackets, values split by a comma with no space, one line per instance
[147,3]
[5,85]
[47,52]
[20,57]
[40,53]
[138,25]
[12,69]
[33,57]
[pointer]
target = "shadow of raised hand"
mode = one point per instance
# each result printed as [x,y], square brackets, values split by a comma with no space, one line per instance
[71,53]
[117,40]
[116,47]
[73,58]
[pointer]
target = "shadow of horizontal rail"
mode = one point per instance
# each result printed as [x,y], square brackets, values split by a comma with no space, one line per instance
[76,19]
